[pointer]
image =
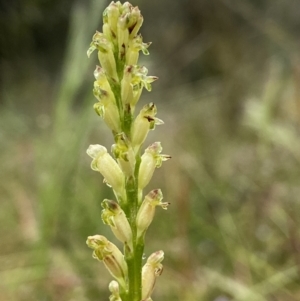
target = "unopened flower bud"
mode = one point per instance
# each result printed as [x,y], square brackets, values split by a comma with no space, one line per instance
[103,95]
[124,154]
[127,7]
[109,35]
[126,86]
[114,289]
[135,22]
[105,54]
[111,16]
[110,21]
[144,122]
[108,167]
[102,82]
[110,115]
[147,210]
[151,270]
[107,61]
[106,107]
[114,216]
[123,35]
[150,160]
[111,256]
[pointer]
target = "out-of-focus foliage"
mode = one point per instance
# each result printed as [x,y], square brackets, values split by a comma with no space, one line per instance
[229,93]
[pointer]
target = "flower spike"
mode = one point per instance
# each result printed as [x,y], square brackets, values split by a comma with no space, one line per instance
[119,83]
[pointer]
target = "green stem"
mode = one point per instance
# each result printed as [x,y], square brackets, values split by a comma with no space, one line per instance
[134,262]
[139,251]
[134,257]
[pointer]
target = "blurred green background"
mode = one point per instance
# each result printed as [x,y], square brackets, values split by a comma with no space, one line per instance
[229,93]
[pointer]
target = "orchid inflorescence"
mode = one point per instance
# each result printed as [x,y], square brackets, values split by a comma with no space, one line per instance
[119,82]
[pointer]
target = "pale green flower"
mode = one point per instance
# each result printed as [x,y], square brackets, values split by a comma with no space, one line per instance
[108,167]
[150,160]
[111,256]
[151,270]
[143,123]
[114,216]
[147,210]
[114,289]
[124,154]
